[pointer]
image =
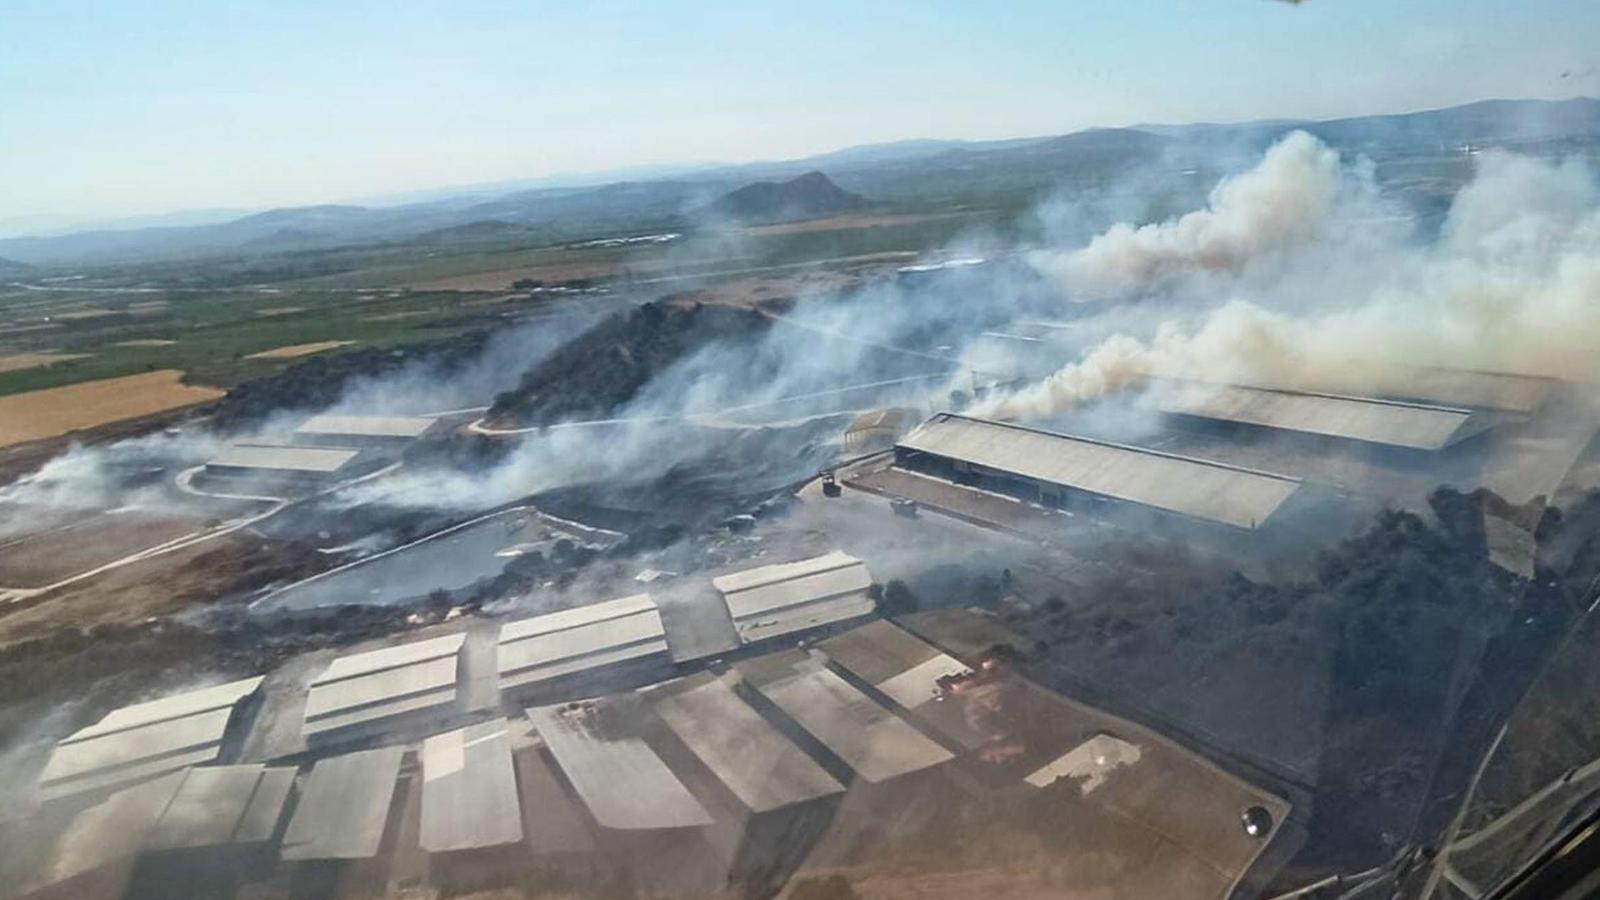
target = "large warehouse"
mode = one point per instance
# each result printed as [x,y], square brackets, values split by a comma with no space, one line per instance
[147,739]
[1502,391]
[546,647]
[769,601]
[362,691]
[281,463]
[877,744]
[1385,423]
[619,777]
[344,806]
[363,431]
[1064,471]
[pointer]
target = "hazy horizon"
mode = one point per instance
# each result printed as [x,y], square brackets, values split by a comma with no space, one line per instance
[132,113]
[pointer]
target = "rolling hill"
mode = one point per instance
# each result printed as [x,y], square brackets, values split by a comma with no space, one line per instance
[916,172]
[809,196]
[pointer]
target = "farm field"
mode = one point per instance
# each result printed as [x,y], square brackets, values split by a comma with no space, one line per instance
[848,222]
[15,361]
[35,415]
[295,351]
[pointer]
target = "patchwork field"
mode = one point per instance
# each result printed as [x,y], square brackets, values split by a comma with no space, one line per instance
[294,351]
[848,222]
[16,361]
[551,272]
[35,415]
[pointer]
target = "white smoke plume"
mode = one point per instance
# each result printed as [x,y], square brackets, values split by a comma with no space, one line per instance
[1511,284]
[1285,200]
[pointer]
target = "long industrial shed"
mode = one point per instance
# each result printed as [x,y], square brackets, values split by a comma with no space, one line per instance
[877,744]
[1390,423]
[1056,465]
[344,806]
[223,805]
[108,833]
[764,769]
[1504,391]
[906,670]
[627,787]
[769,601]
[147,739]
[275,460]
[469,789]
[548,646]
[363,430]
[360,689]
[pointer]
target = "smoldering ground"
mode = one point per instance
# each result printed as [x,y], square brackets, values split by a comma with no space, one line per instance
[120,474]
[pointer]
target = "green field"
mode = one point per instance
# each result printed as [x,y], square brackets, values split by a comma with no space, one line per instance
[213,333]
[215,327]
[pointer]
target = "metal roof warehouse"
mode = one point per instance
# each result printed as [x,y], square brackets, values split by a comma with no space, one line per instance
[344,806]
[875,742]
[362,688]
[223,805]
[1391,423]
[621,780]
[399,427]
[780,599]
[469,789]
[280,458]
[574,640]
[757,763]
[145,739]
[1197,488]
[1468,387]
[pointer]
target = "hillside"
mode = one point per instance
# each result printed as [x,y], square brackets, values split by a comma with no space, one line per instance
[810,196]
[596,374]
[1486,121]
[917,172]
[10,268]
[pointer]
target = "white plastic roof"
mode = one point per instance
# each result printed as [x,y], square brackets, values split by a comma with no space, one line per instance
[108,832]
[1467,387]
[901,665]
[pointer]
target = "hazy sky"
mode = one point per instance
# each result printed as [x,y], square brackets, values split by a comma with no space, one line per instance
[139,106]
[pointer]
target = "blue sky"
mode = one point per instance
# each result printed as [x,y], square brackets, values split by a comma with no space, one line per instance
[142,106]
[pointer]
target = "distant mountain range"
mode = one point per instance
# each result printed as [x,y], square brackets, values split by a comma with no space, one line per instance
[809,196]
[921,171]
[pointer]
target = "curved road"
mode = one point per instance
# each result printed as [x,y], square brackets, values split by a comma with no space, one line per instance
[184,481]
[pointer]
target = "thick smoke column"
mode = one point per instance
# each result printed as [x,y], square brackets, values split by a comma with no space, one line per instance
[1285,200]
[1510,285]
